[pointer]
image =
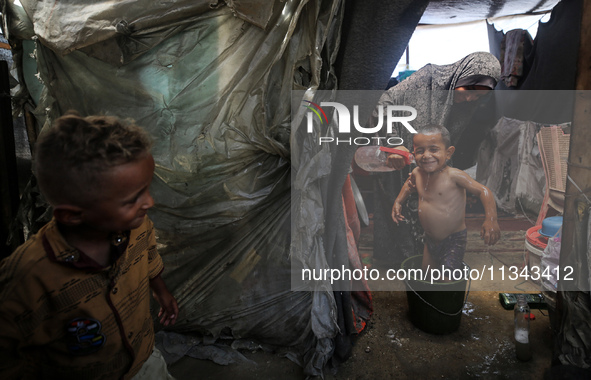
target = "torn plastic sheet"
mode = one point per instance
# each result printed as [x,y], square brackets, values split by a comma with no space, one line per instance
[574,336]
[578,278]
[174,346]
[509,164]
[215,94]
[131,26]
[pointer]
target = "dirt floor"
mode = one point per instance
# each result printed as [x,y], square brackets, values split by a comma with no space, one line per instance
[392,347]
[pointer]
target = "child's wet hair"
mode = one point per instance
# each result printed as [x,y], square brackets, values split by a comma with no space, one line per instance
[71,155]
[433,129]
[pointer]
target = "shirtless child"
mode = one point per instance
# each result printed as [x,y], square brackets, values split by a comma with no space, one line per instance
[442,200]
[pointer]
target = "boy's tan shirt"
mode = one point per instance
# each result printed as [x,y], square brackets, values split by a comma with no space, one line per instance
[64,317]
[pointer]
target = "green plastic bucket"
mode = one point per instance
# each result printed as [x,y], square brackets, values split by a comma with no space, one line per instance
[434,308]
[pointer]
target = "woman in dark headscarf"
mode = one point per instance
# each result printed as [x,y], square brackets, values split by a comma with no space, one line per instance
[432,91]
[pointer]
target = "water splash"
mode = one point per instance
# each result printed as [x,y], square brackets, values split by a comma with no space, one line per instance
[468,308]
[427,182]
[393,339]
[487,365]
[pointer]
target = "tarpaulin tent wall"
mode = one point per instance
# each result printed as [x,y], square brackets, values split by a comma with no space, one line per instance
[211,81]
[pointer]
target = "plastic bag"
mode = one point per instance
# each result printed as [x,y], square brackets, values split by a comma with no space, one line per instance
[550,262]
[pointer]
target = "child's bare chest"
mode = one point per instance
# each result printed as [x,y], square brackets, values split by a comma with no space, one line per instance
[438,189]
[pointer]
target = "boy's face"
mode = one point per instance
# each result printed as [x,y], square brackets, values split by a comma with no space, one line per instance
[124,198]
[430,152]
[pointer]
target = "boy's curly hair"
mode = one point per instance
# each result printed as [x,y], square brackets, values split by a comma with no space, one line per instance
[72,154]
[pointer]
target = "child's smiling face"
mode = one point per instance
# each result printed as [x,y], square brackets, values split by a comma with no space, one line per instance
[430,152]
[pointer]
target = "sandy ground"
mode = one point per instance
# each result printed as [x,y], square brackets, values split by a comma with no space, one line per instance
[392,347]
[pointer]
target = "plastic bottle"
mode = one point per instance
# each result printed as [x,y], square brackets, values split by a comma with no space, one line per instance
[522,316]
[375,158]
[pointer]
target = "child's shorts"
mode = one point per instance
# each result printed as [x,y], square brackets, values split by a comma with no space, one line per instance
[154,368]
[450,251]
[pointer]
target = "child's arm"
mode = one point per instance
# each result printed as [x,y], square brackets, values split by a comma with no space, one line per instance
[408,187]
[490,231]
[169,309]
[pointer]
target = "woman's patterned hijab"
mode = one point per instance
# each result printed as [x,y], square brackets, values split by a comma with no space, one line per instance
[430,89]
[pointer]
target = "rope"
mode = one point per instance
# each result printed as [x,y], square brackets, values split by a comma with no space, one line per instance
[523,212]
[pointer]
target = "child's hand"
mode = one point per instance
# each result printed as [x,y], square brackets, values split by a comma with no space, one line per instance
[169,309]
[397,213]
[490,232]
[412,184]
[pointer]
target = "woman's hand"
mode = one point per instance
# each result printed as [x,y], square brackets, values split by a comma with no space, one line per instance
[396,161]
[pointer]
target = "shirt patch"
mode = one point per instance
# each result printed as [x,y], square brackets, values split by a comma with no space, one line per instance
[84,336]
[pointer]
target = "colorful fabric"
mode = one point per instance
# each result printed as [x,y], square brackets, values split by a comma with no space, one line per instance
[65,317]
[449,252]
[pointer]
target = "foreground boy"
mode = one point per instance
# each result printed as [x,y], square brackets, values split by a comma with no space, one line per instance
[442,200]
[74,299]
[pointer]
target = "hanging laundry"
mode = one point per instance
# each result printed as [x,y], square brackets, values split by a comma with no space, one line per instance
[514,45]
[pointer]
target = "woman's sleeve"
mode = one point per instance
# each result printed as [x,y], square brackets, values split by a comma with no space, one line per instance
[385,100]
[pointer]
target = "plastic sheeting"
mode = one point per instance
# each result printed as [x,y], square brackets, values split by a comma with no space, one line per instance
[125,28]
[551,260]
[574,336]
[509,164]
[214,91]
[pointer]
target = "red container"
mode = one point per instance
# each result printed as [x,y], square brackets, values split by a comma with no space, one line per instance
[534,238]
